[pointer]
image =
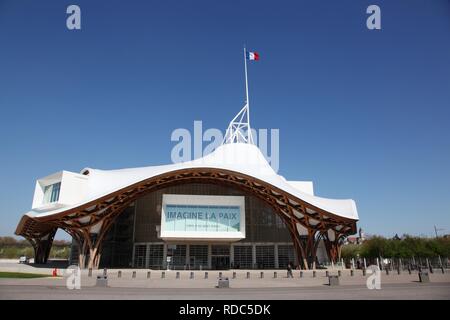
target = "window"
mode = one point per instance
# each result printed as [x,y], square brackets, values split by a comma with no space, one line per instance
[220,250]
[51,192]
[178,256]
[285,255]
[155,258]
[198,256]
[140,252]
[243,257]
[265,257]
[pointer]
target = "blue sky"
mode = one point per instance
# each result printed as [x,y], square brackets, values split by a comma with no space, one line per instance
[364,114]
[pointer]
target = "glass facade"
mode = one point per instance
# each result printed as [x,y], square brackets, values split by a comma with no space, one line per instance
[177,256]
[243,257]
[140,256]
[220,256]
[155,256]
[117,248]
[198,256]
[134,241]
[286,255]
[265,257]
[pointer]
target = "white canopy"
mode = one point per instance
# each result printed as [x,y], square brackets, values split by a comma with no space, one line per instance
[244,158]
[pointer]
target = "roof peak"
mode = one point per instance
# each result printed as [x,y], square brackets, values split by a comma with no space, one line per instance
[239,130]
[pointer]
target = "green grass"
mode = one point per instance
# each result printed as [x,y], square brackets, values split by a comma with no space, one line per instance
[21,275]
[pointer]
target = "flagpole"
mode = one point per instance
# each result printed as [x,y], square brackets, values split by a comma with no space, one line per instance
[246,78]
[247,102]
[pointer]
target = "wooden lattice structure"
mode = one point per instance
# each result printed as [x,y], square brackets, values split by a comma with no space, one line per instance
[88,223]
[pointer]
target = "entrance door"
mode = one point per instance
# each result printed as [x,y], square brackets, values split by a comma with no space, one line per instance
[220,262]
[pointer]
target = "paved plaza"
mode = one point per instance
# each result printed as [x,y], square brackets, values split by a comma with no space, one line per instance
[244,284]
[431,291]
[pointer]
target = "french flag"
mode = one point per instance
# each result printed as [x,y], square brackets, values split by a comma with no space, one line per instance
[252,55]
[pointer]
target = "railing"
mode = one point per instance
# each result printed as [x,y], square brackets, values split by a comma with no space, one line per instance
[413,263]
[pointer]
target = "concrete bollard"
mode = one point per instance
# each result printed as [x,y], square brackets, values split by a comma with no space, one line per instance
[431,269]
[134,274]
[275,275]
[163,275]
[220,274]
[443,270]
[314,273]
[398,271]
[301,274]
[352,273]
[424,277]
[90,272]
[387,271]
[327,274]
[148,274]
[102,281]
[364,272]
[191,276]
[333,281]
[177,276]
[339,273]
[206,275]
[119,274]
[248,275]
[223,283]
[234,275]
[262,275]
[409,269]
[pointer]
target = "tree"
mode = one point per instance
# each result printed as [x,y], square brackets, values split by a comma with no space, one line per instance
[350,251]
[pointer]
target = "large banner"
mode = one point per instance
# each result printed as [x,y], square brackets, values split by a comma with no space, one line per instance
[203,217]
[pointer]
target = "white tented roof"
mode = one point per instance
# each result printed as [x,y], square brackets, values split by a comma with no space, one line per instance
[244,158]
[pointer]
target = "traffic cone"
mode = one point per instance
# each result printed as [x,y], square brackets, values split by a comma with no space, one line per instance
[55,272]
